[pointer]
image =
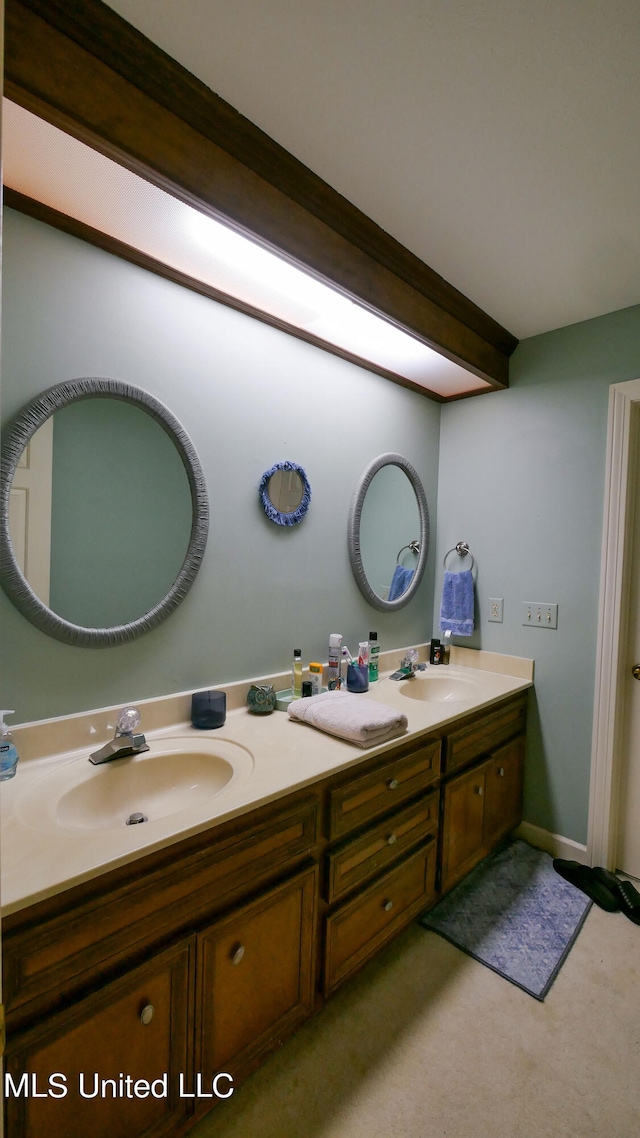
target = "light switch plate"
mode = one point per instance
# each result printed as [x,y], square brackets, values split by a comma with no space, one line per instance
[540,614]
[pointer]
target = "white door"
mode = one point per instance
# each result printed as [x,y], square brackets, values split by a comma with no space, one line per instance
[628,846]
[30,510]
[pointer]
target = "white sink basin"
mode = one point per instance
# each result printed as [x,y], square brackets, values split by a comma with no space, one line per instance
[441,687]
[175,775]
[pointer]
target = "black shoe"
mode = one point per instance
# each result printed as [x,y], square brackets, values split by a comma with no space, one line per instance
[627,895]
[584,878]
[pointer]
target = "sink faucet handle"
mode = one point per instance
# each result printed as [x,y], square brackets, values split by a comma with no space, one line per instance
[128,720]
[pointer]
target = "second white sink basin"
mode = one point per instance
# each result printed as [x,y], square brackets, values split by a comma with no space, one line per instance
[440,687]
[176,774]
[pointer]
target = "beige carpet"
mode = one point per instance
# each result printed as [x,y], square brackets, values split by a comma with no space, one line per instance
[427,1043]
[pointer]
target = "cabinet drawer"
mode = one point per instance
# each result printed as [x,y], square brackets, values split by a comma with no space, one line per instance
[384,843]
[484,734]
[364,799]
[357,930]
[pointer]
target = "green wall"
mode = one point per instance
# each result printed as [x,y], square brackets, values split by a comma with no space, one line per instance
[522,480]
[518,474]
[248,396]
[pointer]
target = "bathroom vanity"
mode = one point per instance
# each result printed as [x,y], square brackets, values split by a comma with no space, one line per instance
[196,958]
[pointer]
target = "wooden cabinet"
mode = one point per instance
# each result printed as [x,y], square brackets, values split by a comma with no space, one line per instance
[481,805]
[91,990]
[503,791]
[263,916]
[383,871]
[111,1063]
[462,825]
[255,977]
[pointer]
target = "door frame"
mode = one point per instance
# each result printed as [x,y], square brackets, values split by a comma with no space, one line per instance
[615,576]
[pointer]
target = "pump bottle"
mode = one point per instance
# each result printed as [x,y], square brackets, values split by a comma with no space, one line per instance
[8,750]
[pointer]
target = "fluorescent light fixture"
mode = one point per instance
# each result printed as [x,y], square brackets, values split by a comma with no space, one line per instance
[51,167]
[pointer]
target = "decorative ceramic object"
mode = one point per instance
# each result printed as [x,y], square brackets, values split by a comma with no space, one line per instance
[261,699]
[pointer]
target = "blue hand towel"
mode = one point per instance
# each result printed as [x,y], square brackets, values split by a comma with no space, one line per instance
[457,605]
[399,582]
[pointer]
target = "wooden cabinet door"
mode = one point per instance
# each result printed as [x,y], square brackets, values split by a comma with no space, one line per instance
[503,797]
[462,825]
[256,972]
[128,1038]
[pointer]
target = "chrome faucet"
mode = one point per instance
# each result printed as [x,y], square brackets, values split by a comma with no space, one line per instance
[125,741]
[409,663]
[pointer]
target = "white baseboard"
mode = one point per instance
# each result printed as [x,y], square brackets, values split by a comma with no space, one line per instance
[553,844]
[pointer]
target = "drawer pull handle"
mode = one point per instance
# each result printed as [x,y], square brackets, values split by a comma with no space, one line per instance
[501,772]
[391,840]
[146,1015]
[392,783]
[237,954]
[388,906]
[479,790]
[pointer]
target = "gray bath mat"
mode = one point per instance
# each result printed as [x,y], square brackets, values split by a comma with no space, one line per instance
[515,914]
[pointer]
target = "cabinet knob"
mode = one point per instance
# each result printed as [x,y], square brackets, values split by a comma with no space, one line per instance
[392,783]
[501,772]
[388,906]
[237,954]
[391,840]
[479,790]
[146,1015]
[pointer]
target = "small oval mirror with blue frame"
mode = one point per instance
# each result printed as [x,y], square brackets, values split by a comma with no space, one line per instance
[285,493]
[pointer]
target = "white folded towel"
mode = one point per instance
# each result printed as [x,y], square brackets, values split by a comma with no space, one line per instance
[361,721]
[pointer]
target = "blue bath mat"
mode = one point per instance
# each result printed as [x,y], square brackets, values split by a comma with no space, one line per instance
[515,914]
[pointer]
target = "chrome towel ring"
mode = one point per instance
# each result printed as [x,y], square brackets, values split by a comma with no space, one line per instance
[414,546]
[462,549]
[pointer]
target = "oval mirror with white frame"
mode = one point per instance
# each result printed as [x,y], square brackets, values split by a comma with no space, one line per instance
[103,512]
[388,532]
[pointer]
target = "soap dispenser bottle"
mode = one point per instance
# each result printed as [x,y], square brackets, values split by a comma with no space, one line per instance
[8,750]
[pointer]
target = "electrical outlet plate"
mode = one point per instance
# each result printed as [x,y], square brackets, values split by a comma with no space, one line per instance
[496,607]
[540,614]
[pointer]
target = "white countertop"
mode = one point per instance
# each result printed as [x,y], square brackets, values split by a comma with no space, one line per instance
[40,859]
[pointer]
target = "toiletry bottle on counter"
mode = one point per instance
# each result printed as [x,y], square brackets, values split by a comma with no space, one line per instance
[435,651]
[335,653]
[296,674]
[8,750]
[374,652]
[315,675]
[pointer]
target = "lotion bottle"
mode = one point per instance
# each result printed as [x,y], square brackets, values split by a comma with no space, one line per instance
[315,675]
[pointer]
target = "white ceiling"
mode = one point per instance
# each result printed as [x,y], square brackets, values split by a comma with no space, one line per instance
[496,139]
